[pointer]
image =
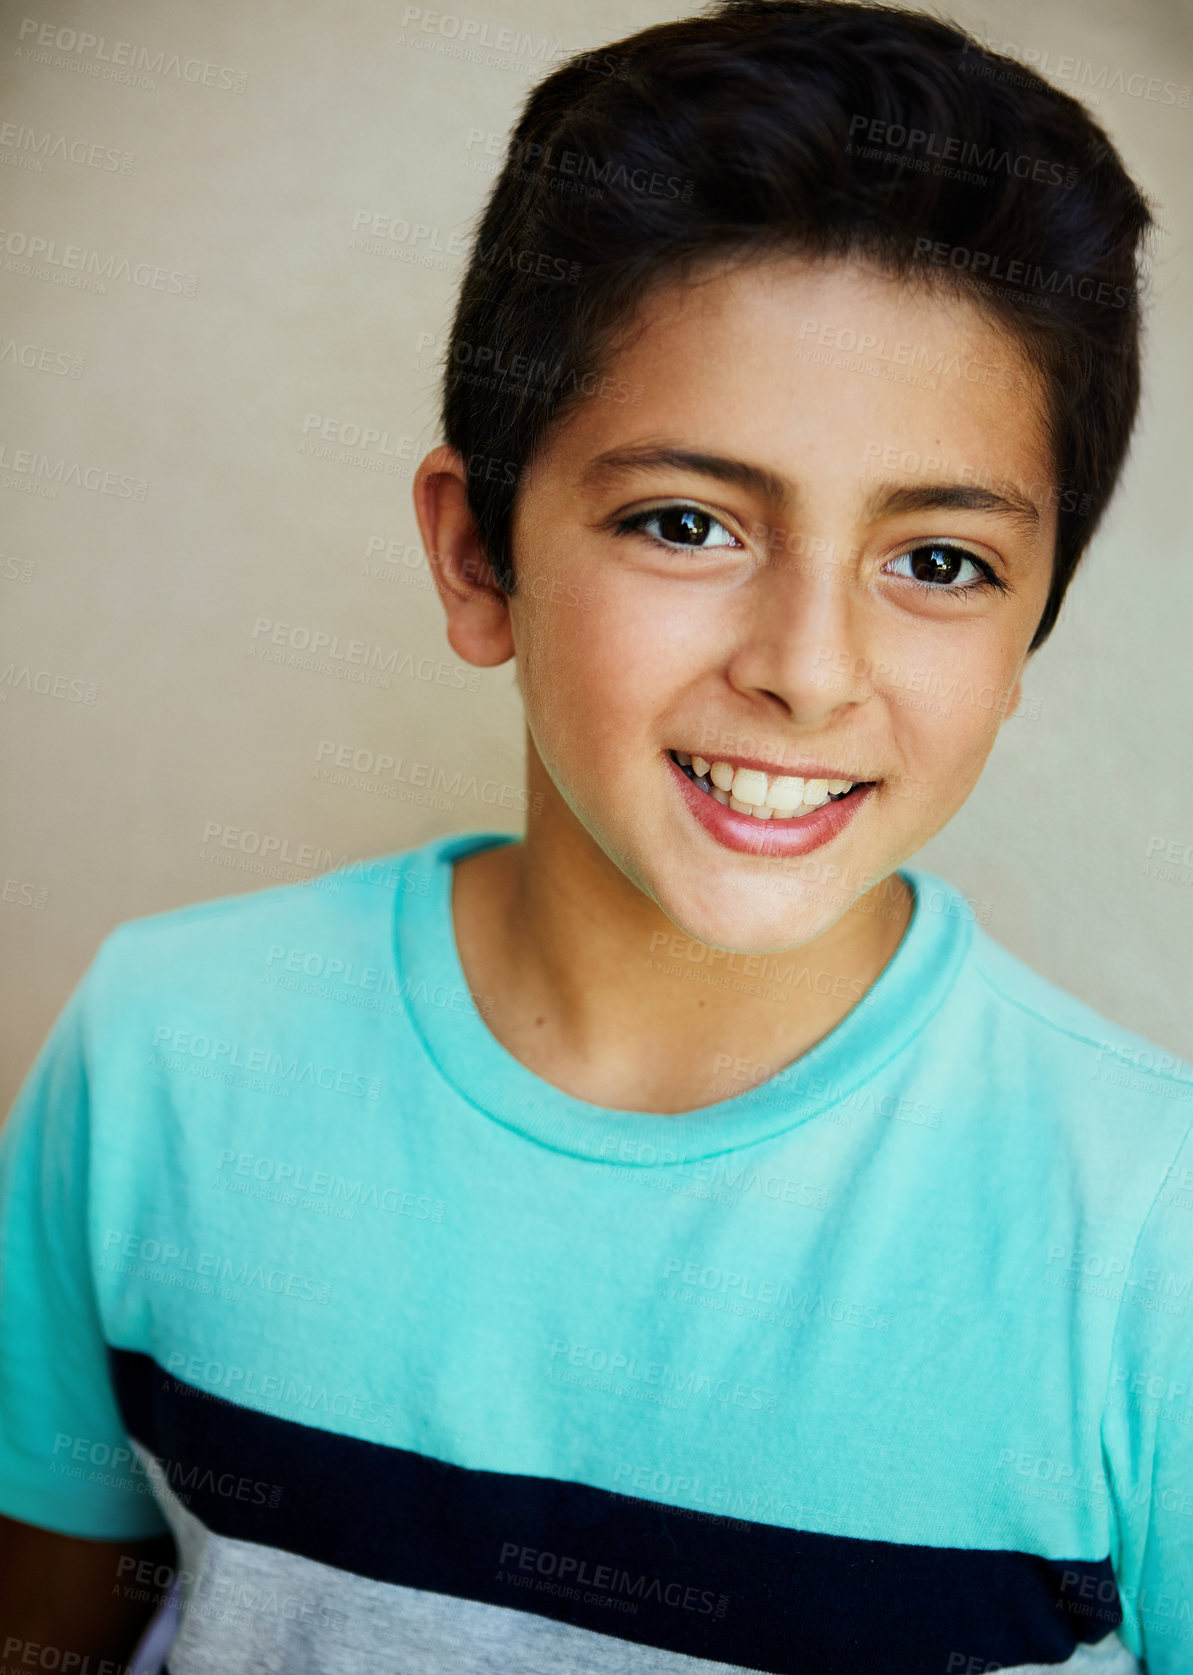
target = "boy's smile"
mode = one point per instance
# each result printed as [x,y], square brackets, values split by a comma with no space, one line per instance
[804,793]
[811,576]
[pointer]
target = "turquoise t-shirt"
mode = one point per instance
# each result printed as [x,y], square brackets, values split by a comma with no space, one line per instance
[883,1363]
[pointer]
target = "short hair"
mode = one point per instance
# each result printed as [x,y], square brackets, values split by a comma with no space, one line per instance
[826,128]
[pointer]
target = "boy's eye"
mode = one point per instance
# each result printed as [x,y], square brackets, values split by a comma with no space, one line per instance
[680,525]
[937,566]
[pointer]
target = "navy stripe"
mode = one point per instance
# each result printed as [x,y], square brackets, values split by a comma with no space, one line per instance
[774,1599]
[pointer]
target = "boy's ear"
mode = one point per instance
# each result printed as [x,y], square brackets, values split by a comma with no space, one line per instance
[476,606]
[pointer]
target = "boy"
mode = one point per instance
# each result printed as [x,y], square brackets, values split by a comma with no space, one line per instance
[681,1239]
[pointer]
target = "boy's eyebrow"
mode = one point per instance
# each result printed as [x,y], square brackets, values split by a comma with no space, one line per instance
[621,462]
[888,498]
[961,497]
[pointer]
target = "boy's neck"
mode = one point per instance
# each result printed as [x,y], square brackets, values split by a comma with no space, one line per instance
[584,994]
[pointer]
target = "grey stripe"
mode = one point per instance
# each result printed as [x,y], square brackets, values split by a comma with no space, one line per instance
[246,1606]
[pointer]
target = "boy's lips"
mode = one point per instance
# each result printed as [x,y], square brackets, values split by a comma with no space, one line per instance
[776,834]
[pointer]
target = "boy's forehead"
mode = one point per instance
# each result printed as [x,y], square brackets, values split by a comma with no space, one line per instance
[832,367]
[777,303]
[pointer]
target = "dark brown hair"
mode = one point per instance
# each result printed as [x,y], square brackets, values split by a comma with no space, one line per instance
[829,128]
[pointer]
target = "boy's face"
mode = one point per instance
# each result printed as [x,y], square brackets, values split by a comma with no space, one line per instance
[815,621]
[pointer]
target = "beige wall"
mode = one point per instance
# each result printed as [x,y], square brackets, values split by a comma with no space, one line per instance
[250,180]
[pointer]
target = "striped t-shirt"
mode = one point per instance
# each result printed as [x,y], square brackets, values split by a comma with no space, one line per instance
[880,1365]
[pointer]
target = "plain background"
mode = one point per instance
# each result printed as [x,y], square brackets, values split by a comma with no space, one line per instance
[253,158]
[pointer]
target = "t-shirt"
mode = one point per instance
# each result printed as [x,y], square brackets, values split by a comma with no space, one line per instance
[881,1364]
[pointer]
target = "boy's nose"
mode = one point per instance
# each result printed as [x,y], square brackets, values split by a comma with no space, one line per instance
[805,642]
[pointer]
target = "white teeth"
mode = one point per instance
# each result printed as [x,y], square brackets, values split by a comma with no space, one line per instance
[750,791]
[743,807]
[749,786]
[785,792]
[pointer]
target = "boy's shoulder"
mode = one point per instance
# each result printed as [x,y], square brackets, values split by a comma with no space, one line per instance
[326,900]
[336,927]
[323,926]
[1065,1067]
[1070,1080]
[1054,1022]
[1071,1095]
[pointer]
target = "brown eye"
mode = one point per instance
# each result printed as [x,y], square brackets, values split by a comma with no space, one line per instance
[936,565]
[685,525]
[679,525]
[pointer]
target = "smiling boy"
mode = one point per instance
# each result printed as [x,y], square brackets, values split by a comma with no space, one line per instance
[712,635]
[744,1262]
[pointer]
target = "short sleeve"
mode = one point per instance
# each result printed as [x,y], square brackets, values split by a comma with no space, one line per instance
[1148,1430]
[66,1463]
